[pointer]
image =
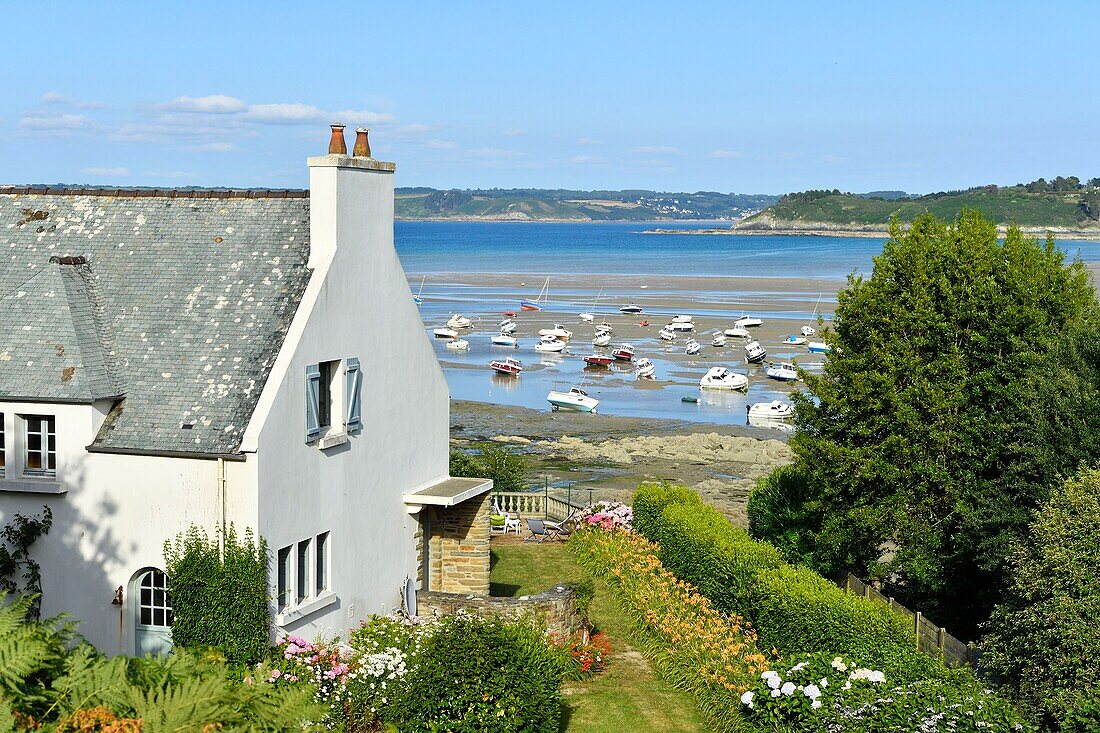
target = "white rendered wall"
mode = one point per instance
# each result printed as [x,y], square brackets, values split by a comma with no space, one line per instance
[358,305]
[113,519]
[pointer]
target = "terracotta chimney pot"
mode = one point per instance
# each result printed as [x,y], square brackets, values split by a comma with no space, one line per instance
[336,144]
[362,146]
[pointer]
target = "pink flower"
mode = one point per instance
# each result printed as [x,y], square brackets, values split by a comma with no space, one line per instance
[275,674]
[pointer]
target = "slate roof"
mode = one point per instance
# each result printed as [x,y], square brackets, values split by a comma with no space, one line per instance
[181,307]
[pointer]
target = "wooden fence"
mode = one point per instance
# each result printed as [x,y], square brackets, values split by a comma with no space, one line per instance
[537,504]
[930,638]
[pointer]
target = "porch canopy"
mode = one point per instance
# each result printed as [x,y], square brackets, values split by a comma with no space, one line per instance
[446,493]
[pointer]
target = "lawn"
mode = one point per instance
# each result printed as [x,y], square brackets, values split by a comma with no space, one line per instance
[628,696]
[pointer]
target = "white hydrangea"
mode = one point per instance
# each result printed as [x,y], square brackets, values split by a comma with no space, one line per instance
[815,704]
[746,699]
[812,691]
[787,688]
[775,682]
[839,665]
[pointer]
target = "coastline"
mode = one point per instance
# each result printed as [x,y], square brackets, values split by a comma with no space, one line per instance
[873,231]
[529,220]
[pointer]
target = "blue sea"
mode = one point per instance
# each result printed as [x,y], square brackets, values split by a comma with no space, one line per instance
[483,269]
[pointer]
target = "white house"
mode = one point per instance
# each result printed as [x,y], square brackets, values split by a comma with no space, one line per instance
[178,357]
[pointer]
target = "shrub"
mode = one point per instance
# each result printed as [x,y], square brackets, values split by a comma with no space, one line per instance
[505,468]
[1043,640]
[793,609]
[782,512]
[607,514]
[826,693]
[711,655]
[219,602]
[479,675]
[16,538]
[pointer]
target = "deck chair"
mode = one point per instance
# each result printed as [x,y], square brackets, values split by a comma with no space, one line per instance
[539,531]
[564,528]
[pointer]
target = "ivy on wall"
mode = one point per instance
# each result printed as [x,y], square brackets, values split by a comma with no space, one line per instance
[219,599]
[16,538]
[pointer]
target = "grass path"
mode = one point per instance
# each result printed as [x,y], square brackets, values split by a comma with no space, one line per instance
[628,697]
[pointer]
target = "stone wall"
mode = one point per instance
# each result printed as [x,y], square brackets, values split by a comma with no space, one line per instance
[458,548]
[555,609]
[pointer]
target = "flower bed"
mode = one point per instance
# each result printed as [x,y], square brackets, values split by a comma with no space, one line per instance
[710,654]
[608,515]
[458,673]
[829,694]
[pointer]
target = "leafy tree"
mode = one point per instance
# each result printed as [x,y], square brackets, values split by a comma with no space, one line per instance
[1090,206]
[962,385]
[505,468]
[1044,641]
[1094,183]
[1039,185]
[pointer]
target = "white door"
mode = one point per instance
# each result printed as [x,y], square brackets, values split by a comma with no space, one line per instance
[153,625]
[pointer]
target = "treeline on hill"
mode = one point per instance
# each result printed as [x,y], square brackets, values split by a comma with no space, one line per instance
[532,203]
[1065,201]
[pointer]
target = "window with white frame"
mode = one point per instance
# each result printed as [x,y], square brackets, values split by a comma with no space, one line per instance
[303,571]
[39,445]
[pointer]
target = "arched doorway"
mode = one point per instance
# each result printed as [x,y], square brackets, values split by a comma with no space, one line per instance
[152,612]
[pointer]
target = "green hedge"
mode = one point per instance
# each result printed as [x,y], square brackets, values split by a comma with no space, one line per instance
[793,609]
[219,602]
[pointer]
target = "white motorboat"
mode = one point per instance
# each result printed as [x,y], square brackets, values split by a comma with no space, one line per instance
[794,341]
[508,326]
[748,322]
[575,399]
[458,344]
[808,331]
[692,347]
[819,347]
[507,365]
[603,338]
[719,340]
[754,352]
[632,308]
[722,378]
[666,334]
[558,331]
[681,326]
[644,369]
[460,321]
[549,345]
[784,372]
[587,316]
[604,326]
[775,410]
[504,340]
[682,319]
[737,332]
[445,332]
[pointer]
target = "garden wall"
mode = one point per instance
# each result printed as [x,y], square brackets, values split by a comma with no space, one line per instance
[555,609]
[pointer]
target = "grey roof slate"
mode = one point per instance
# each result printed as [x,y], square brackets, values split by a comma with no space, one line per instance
[182,307]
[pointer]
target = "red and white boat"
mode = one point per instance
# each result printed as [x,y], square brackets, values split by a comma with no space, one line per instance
[599,360]
[624,352]
[507,365]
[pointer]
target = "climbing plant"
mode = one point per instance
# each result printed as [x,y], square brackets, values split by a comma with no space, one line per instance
[219,595]
[16,539]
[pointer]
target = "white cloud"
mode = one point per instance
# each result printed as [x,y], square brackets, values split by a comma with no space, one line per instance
[42,122]
[726,154]
[442,144]
[588,141]
[106,172]
[216,147]
[219,104]
[61,99]
[514,133]
[282,114]
[588,159]
[655,150]
[495,153]
[360,117]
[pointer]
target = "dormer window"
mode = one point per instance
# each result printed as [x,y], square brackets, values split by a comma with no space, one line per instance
[40,445]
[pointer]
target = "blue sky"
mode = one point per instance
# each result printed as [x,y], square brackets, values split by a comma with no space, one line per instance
[761,97]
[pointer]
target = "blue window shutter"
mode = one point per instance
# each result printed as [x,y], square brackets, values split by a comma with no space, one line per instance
[354,390]
[313,402]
